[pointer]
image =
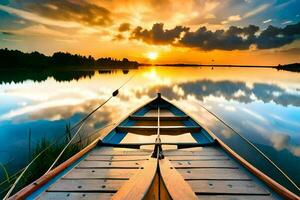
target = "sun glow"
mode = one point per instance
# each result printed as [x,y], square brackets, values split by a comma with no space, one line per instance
[152,55]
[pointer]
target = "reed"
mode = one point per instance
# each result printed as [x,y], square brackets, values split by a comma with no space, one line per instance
[41,165]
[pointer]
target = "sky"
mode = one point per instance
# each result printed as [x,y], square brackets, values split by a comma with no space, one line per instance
[245,32]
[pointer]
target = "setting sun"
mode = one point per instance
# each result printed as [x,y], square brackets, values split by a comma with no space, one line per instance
[152,55]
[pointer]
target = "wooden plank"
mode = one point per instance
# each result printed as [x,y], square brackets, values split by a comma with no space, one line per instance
[226,187]
[118,151]
[195,154]
[188,153]
[162,118]
[137,186]
[190,158]
[146,123]
[116,158]
[79,185]
[151,113]
[176,186]
[107,164]
[205,164]
[201,151]
[154,191]
[75,196]
[100,173]
[171,123]
[211,174]
[163,112]
[113,152]
[121,154]
[163,123]
[168,130]
[235,197]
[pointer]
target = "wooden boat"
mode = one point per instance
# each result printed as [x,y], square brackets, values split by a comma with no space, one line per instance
[110,167]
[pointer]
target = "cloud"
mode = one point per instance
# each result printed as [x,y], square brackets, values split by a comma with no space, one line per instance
[231,39]
[232,18]
[82,12]
[267,21]
[257,10]
[295,51]
[287,22]
[237,91]
[61,13]
[255,115]
[210,16]
[282,141]
[157,34]
[118,37]
[7,33]
[234,38]
[36,18]
[124,27]
[37,30]
[274,37]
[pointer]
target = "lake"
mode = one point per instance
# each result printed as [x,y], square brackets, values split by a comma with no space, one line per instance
[262,104]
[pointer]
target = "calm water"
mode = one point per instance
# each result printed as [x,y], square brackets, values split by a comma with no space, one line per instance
[262,104]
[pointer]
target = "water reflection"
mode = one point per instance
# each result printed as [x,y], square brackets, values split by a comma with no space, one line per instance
[262,104]
[39,76]
[237,91]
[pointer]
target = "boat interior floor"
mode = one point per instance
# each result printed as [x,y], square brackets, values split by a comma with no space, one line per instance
[122,173]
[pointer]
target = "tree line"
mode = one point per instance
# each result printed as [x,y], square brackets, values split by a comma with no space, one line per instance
[15,59]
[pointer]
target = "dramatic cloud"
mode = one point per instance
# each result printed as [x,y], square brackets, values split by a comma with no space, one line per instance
[234,38]
[68,10]
[157,35]
[124,27]
[274,37]
[38,19]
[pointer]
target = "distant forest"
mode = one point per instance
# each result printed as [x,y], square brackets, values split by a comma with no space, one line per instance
[295,67]
[15,59]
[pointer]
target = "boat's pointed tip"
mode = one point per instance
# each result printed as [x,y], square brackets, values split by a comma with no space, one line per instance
[158,95]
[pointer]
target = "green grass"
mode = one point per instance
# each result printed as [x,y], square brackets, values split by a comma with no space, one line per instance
[42,164]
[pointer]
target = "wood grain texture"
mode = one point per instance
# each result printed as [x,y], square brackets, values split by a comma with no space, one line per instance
[162,118]
[163,112]
[75,196]
[79,185]
[162,123]
[213,174]
[226,187]
[116,158]
[107,164]
[176,186]
[137,186]
[100,173]
[191,158]
[197,151]
[205,164]
[164,130]
[235,197]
